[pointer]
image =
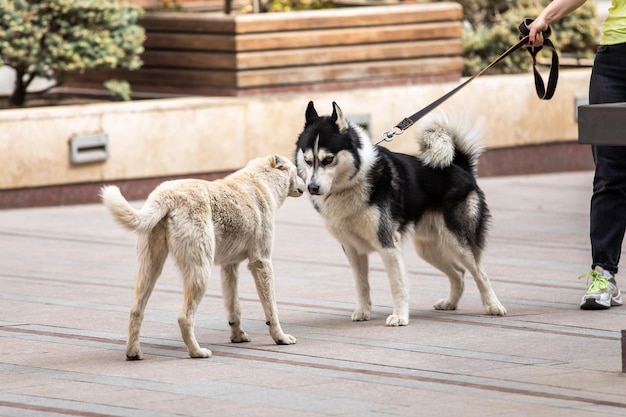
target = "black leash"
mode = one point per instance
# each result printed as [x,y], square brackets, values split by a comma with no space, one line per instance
[543,92]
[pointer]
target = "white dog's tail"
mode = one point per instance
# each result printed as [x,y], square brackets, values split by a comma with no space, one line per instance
[137,220]
[443,138]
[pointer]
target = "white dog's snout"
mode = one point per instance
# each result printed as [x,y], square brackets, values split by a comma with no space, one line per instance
[298,188]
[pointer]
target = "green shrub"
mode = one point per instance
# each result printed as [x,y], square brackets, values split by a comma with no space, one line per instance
[119,89]
[271,6]
[491,27]
[293,5]
[56,39]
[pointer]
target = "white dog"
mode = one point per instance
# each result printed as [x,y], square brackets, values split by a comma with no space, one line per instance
[202,223]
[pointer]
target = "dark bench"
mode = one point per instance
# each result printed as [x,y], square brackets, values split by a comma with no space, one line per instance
[602,124]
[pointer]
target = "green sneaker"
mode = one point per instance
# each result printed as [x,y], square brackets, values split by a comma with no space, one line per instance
[602,292]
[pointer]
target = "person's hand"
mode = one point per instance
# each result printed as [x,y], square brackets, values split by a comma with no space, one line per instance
[535,29]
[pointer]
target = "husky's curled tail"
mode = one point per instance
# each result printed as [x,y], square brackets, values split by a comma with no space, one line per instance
[445,139]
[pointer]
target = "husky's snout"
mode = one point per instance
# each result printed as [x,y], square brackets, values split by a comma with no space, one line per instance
[314,189]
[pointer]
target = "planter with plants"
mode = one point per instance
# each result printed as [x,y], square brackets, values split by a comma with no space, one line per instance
[310,50]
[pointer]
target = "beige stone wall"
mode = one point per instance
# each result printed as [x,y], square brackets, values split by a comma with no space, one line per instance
[154,138]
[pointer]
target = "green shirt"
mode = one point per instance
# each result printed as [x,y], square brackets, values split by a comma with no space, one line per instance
[614,26]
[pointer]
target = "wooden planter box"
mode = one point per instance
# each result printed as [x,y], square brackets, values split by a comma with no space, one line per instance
[217,54]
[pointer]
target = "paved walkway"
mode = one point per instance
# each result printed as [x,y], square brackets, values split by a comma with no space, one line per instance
[66,284]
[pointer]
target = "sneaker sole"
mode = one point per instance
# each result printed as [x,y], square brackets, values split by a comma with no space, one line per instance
[592,304]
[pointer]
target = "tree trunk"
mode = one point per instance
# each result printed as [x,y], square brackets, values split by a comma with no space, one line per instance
[18,96]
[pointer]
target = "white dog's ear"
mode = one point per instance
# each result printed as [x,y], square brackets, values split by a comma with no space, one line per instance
[338,118]
[277,161]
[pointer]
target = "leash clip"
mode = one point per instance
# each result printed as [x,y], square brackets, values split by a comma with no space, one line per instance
[388,136]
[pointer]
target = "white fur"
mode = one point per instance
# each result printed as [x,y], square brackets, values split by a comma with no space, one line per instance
[203,223]
[437,246]
[440,133]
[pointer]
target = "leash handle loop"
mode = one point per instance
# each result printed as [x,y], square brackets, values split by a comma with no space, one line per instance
[543,92]
[546,91]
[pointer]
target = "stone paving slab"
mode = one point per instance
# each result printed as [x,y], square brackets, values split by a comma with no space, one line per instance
[66,285]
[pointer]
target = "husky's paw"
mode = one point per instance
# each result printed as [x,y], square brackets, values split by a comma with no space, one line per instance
[360,315]
[201,353]
[495,309]
[285,339]
[396,320]
[444,304]
[239,337]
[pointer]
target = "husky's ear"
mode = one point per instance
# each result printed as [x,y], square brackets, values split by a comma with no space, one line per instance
[277,161]
[311,113]
[338,118]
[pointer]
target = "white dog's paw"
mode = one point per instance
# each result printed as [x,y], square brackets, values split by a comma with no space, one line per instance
[396,320]
[285,339]
[495,309]
[133,352]
[360,315]
[134,356]
[239,337]
[201,353]
[444,304]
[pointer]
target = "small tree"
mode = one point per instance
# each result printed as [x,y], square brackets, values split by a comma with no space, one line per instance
[58,38]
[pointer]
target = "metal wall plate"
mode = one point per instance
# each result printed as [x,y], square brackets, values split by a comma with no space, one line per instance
[89,148]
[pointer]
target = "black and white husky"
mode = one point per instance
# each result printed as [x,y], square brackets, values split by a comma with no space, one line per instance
[371,198]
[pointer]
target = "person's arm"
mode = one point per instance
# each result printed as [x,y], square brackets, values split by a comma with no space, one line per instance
[553,11]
